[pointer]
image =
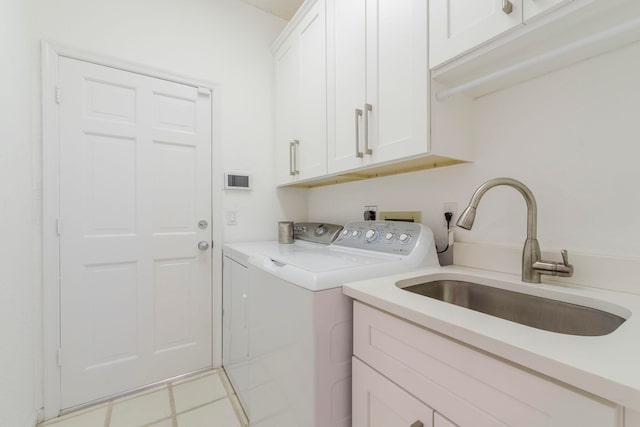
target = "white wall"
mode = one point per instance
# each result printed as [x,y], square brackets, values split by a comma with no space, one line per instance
[572,136]
[17,288]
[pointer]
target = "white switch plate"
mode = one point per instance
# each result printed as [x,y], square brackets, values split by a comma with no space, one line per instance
[232,217]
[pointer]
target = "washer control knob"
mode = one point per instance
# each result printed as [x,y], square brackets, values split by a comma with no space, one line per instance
[321,230]
[404,237]
[372,235]
[355,234]
[390,236]
[345,232]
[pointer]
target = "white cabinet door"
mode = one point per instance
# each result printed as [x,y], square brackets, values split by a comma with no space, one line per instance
[287,93]
[301,94]
[440,421]
[312,102]
[377,402]
[397,79]
[346,82]
[456,26]
[235,323]
[536,7]
[378,81]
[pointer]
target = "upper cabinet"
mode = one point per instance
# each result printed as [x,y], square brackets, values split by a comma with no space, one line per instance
[378,81]
[456,26]
[480,46]
[301,91]
[353,94]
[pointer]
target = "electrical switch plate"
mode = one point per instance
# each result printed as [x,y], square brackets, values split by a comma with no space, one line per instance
[232,217]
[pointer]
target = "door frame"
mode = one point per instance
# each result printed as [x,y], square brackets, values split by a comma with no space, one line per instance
[51,53]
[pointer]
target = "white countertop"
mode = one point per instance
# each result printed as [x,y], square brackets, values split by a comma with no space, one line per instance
[607,366]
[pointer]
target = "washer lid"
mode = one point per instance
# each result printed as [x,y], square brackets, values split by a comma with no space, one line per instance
[320,260]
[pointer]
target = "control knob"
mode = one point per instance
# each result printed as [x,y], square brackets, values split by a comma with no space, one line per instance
[404,238]
[372,235]
[389,237]
[321,230]
[355,234]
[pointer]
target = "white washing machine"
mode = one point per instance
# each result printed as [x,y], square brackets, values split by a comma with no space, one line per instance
[287,326]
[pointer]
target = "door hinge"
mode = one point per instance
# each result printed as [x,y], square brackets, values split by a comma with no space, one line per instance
[60,357]
[58,94]
[58,227]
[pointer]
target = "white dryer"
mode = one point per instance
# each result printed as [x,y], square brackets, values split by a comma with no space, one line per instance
[288,327]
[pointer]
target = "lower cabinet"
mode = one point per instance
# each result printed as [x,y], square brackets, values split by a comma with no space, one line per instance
[402,373]
[377,402]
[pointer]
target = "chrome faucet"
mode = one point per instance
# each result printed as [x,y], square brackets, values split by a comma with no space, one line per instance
[532,264]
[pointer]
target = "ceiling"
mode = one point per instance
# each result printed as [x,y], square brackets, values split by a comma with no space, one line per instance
[285,9]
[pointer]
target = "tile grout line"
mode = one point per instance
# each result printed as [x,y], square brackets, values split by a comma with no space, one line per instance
[172,403]
[233,398]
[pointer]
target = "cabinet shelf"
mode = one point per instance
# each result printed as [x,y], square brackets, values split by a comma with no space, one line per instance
[377,171]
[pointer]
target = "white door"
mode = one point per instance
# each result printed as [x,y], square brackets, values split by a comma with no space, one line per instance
[135,180]
[312,48]
[397,79]
[346,31]
[456,26]
[440,421]
[287,72]
[301,100]
[377,402]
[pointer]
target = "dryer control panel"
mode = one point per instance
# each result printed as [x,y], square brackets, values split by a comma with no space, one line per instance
[394,237]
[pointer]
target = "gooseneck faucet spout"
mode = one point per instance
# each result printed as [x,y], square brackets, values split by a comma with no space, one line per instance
[532,266]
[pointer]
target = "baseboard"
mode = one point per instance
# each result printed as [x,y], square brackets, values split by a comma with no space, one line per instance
[34,419]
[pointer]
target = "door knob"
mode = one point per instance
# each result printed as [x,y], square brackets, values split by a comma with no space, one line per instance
[203,246]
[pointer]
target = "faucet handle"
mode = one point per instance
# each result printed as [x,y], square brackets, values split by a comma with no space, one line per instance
[565,256]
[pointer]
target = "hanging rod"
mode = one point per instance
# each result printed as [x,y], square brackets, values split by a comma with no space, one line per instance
[539,59]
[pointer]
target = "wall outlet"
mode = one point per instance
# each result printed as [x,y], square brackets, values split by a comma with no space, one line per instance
[370,213]
[450,207]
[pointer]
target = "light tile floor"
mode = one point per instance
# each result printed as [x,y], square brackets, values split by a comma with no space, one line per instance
[199,401]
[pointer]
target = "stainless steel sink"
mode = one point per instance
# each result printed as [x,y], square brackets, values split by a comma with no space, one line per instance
[538,312]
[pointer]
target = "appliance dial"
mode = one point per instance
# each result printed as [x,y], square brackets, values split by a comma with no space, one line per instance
[355,234]
[404,238]
[389,237]
[372,235]
[345,232]
[321,230]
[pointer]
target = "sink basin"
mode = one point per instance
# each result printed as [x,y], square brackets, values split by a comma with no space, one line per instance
[538,312]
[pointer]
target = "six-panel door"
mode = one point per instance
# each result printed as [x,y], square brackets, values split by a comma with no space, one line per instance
[135,181]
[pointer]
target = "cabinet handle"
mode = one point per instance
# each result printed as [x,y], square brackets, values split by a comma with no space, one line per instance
[296,144]
[367,109]
[507,7]
[358,115]
[291,171]
[417,424]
